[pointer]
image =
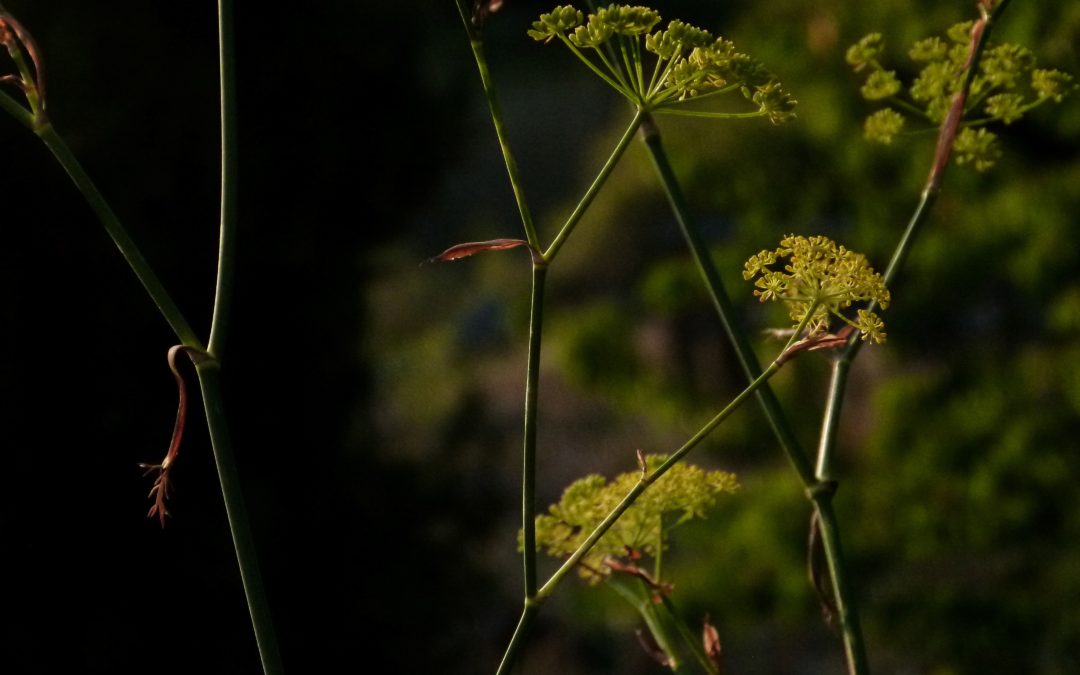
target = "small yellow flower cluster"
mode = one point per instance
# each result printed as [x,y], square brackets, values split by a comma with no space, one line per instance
[822,278]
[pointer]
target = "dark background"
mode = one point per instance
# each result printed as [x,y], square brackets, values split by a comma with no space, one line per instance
[375,403]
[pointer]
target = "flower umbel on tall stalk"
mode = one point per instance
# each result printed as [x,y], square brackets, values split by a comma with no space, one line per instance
[663,70]
[1007,85]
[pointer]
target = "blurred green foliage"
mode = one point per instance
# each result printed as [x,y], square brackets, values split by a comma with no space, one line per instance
[959,471]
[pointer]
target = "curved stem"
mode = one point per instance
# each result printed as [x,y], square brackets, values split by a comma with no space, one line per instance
[594,189]
[244,544]
[120,237]
[209,378]
[230,158]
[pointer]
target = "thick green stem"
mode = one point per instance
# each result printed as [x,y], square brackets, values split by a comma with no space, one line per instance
[743,351]
[853,644]
[532,387]
[258,608]
[120,237]
[854,647]
[594,189]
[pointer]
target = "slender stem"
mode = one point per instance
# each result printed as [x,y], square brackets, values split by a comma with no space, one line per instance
[120,237]
[591,193]
[528,478]
[659,471]
[705,113]
[854,647]
[853,644]
[13,108]
[692,642]
[223,293]
[477,44]
[745,353]
[831,419]
[209,372]
[622,85]
[532,602]
[528,614]
[258,608]
[856,655]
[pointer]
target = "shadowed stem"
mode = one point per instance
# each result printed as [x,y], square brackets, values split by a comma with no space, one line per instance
[208,368]
[209,373]
[120,237]
[770,405]
[243,542]
[477,44]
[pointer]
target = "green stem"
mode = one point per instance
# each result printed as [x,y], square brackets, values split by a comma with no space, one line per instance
[223,293]
[258,608]
[831,419]
[672,460]
[743,351]
[209,377]
[662,624]
[591,193]
[532,387]
[853,644]
[477,44]
[528,614]
[854,647]
[841,369]
[532,603]
[13,108]
[692,642]
[120,237]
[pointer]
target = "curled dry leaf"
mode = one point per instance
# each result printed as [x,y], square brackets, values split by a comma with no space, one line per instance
[472,248]
[161,488]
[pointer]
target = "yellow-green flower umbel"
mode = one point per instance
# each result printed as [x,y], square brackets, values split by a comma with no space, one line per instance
[821,277]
